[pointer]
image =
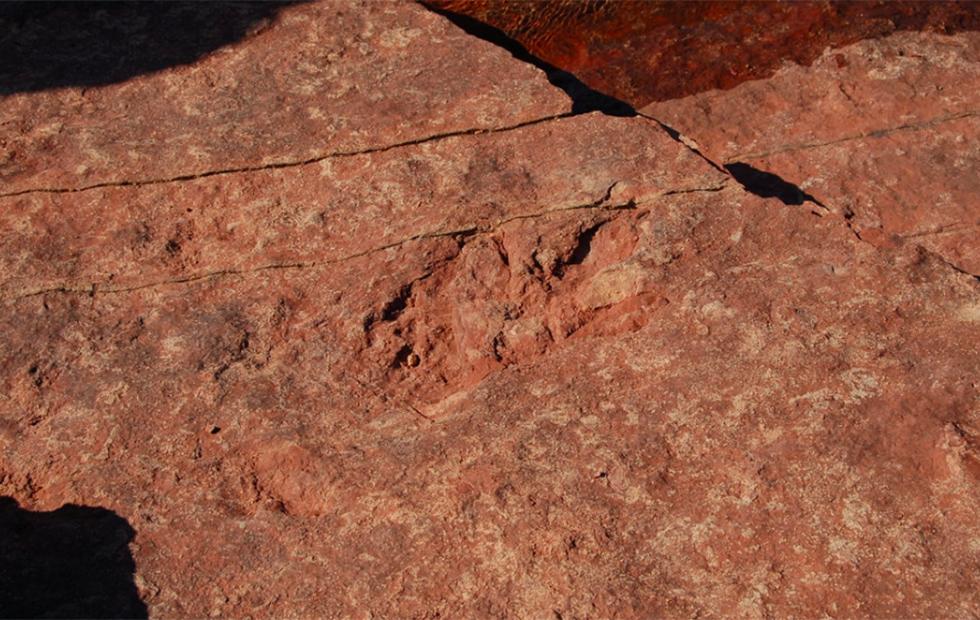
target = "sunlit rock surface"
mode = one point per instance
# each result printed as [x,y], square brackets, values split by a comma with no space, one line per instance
[442,349]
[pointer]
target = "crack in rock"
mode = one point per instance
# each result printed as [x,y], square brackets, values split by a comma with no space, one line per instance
[765,185]
[103,288]
[768,185]
[952,229]
[290,164]
[875,133]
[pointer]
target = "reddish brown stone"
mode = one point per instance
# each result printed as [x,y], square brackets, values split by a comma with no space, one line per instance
[884,132]
[647,50]
[329,78]
[568,369]
[326,211]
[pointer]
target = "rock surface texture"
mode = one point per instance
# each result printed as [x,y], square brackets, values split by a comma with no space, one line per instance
[353,318]
[885,132]
[654,50]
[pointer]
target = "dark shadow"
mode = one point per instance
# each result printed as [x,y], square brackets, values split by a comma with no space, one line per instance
[73,562]
[55,44]
[768,185]
[584,99]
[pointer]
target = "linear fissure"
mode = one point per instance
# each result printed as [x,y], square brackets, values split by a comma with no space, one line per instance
[102,288]
[287,164]
[875,133]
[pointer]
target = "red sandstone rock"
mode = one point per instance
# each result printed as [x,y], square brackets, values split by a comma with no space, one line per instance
[654,50]
[329,210]
[884,131]
[563,370]
[329,78]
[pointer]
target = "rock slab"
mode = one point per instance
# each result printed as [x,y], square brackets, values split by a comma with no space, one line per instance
[489,360]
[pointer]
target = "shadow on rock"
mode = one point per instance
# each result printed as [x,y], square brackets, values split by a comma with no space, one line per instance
[73,562]
[768,185]
[584,99]
[641,51]
[55,44]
